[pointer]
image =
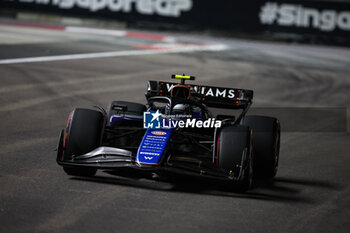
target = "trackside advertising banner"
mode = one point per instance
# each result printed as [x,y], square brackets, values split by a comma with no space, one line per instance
[166,8]
[322,19]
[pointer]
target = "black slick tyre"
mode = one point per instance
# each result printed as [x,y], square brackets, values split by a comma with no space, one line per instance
[266,146]
[233,154]
[83,134]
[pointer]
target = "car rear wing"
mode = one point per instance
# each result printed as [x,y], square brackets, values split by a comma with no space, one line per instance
[219,97]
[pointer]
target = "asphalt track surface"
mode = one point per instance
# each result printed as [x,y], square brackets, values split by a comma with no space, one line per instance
[311,192]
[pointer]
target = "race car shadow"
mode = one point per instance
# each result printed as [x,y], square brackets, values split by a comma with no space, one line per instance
[277,190]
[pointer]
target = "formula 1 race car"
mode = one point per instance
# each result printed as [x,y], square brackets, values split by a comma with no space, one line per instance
[174,134]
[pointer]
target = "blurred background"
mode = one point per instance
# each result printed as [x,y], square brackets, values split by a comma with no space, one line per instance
[306,21]
[57,55]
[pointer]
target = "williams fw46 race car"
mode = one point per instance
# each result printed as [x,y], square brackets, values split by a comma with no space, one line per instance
[174,134]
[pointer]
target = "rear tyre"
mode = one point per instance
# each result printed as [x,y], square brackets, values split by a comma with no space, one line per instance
[233,152]
[83,134]
[266,134]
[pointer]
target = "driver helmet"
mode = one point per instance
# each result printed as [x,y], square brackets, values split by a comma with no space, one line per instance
[181,109]
[178,109]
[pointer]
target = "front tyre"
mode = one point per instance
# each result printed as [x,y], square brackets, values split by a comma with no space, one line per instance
[83,134]
[234,155]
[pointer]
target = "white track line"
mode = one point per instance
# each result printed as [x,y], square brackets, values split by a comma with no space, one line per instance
[119,33]
[186,49]
[95,31]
